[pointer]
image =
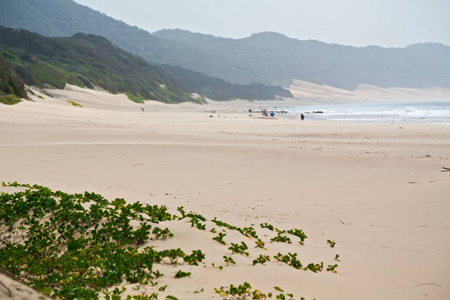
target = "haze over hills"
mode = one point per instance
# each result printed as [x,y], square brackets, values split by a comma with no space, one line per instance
[267,58]
[271,57]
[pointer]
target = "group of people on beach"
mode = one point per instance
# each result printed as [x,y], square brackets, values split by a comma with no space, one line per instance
[272,114]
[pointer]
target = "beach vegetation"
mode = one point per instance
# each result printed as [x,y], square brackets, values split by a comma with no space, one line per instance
[260,244]
[75,103]
[220,237]
[290,259]
[9,99]
[196,223]
[332,268]
[314,267]
[244,291]
[331,243]
[84,246]
[262,259]
[239,249]
[248,231]
[194,258]
[162,233]
[228,260]
[181,274]
[281,239]
[268,226]
[298,233]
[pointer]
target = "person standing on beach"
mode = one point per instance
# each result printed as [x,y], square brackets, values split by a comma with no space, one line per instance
[302,117]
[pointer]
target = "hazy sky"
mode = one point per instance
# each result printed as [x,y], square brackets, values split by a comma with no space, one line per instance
[387,23]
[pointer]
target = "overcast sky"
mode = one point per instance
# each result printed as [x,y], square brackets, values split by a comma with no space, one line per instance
[387,23]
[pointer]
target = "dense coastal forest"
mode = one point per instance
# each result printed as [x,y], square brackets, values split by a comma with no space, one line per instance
[87,61]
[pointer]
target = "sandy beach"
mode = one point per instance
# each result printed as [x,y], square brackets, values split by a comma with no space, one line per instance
[377,190]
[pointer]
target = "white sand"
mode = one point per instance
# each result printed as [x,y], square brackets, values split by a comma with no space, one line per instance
[377,190]
[303,89]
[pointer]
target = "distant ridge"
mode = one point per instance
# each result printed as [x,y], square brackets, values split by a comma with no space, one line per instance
[267,58]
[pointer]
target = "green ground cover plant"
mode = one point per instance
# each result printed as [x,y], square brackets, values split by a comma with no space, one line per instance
[83,246]
[76,104]
[244,291]
[239,248]
[280,238]
[9,99]
[220,237]
[331,243]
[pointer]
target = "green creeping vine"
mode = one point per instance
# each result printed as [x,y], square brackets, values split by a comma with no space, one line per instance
[244,291]
[195,218]
[228,260]
[284,239]
[247,231]
[181,274]
[290,260]
[298,233]
[281,239]
[220,237]
[262,259]
[239,249]
[260,244]
[331,243]
[82,246]
[75,103]
[75,246]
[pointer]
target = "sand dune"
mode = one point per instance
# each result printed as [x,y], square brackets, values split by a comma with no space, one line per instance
[303,89]
[376,190]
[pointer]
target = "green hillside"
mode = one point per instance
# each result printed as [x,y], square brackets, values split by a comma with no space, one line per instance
[12,87]
[86,61]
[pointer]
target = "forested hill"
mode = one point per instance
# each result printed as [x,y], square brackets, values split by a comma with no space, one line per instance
[276,59]
[87,61]
[267,58]
[218,89]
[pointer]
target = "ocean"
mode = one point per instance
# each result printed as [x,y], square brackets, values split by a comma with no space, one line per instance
[374,112]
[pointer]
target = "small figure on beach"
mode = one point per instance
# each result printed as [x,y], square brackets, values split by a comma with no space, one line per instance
[302,117]
[272,114]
